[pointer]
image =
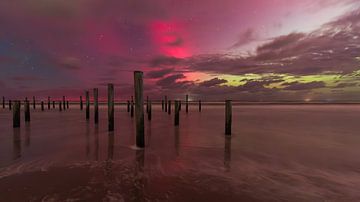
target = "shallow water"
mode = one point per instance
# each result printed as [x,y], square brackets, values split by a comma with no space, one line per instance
[276,153]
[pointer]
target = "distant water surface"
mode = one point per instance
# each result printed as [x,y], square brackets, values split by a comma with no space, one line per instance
[276,153]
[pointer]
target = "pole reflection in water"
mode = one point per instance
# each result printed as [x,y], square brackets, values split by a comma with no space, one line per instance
[177,141]
[87,134]
[27,134]
[96,138]
[16,143]
[148,133]
[139,180]
[227,153]
[111,140]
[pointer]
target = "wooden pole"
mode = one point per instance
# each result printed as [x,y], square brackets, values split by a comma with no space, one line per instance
[60,106]
[53,103]
[49,103]
[147,104]
[81,103]
[180,105]
[67,105]
[128,106]
[42,105]
[169,107]
[162,105]
[139,108]
[111,107]
[228,117]
[132,108]
[96,105]
[166,102]
[149,111]
[27,111]
[177,108]
[3,102]
[187,103]
[87,105]
[64,104]
[34,102]
[10,104]
[16,114]
[199,105]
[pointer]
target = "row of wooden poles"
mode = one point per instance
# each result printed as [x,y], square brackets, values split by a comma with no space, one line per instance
[139,108]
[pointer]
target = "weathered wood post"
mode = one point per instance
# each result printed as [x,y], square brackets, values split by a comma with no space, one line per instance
[67,104]
[169,107]
[53,104]
[139,109]
[180,105]
[27,111]
[96,105]
[60,106]
[34,102]
[228,117]
[111,107]
[147,104]
[49,103]
[166,102]
[87,105]
[199,105]
[162,105]
[128,105]
[187,103]
[149,111]
[42,105]
[16,114]
[177,107]
[132,108]
[10,104]
[81,103]
[3,102]
[64,104]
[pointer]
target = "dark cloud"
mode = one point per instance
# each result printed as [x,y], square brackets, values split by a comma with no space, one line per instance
[212,82]
[344,85]
[304,86]
[164,60]
[159,73]
[246,37]
[178,41]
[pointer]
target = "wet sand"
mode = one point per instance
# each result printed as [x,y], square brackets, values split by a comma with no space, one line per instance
[276,153]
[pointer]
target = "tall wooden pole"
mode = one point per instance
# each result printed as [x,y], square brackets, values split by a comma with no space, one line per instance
[81,103]
[16,114]
[27,111]
[96,105]
[177,108]
[87,105]
[228,117]
[187,103]
[139,109]
[111,107]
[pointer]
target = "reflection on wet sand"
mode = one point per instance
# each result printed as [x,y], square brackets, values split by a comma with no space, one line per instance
[227,153]
[139,179]
[111,140]
[96,142]
[177,141]
[16,143]
[87,134]
[27,134]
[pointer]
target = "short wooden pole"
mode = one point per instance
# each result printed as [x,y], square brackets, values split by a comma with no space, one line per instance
[180,105]
[199,105]
[34,102]
[96,105]
[177,109]
[169,107]
[67,105]
[139,109]
[149,110]
[10,105]
[42,105]
[228,117]
[162,105]
[27,111]
[64,104]
[87,105]
[147,104]
[3,102]
[111,107]
[48,103]
[16,114]
[60,106]
[53,104]
[81,103]
[128,106]
[132,108]
[166,103]
[187,103]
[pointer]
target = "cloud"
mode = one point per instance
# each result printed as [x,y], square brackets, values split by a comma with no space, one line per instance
[212,82]
[26,78]
[344,85]
[159,73]
[246,37]
[304,86]
[164,60]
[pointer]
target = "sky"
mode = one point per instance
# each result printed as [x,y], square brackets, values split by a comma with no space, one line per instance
[249,50]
